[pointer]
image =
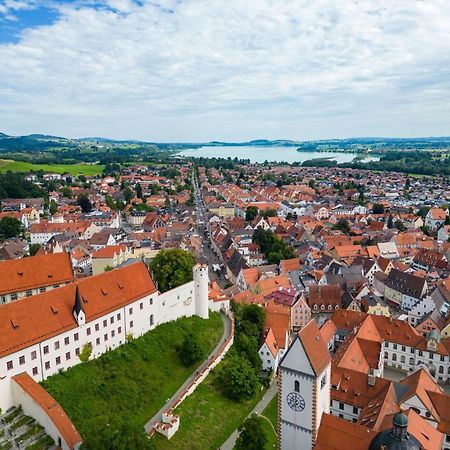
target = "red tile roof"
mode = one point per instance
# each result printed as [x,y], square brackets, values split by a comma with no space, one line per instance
[100,295]
[18,275]
[50,407]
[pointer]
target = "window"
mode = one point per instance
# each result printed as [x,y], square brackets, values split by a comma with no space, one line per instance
[58,360]
[341,405]
[341,416]
[97,327]
[66,341]
[442,358]
[411,361]
[57,345]
[151,320]
[394,357]
[113,333]
[105,337]
[355,410]
[35,370]
[386,344]
[431,355]
[402,359]
[131,324]
[77,351]
[130,311]
[97,341]
[28,293]
[14,296]
[403,348]
[151,301]
[141,306]
[420,353]
[47,365]
[67,356]
[33,354]
[105,323]
[297,386]
[22,360]
[118,316]
[9,365]
[88,331]
[386,355]
[395,346]
[119,330]
[76,337]
[42,289]
[56,286]
[441,369]
[45,349]
[412,350]
[111,320]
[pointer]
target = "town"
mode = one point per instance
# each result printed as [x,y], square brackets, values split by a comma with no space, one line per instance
[332,284]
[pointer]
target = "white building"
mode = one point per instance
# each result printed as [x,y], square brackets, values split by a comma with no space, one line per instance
[304,393]
[45,333]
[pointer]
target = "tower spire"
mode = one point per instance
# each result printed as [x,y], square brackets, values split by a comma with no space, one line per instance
[77,307]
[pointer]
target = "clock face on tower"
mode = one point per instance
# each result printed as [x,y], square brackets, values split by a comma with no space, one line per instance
[295,401]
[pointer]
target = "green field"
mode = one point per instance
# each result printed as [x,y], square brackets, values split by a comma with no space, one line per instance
[73,169]
[271,413]
[207,419]
[132,382]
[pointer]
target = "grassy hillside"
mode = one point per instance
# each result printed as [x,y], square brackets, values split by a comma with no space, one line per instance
[132,382]
[73,169]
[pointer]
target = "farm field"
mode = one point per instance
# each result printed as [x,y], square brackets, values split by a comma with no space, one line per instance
[73,169]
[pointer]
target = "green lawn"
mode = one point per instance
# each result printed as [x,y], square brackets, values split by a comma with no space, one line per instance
[73,169]
[271,412]
[132,381]
[207,419]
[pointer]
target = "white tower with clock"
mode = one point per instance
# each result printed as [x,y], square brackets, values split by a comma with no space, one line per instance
[304,393]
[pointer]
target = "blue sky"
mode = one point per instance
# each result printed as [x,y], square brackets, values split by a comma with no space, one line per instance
[198,70]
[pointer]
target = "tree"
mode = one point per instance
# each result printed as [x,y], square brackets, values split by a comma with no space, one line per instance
[110,202]
[10,227]
[128,194]
[251,435]
[399,225]
[342,225]
[251,213]
[85,353]
[138,189]
[270,213]
[423,211]
[191,350]
[312,184]
[85,203]
[53,207]
[67,192]
[108,268]
[238,380]
[172,268]
[34,248]
[378,208]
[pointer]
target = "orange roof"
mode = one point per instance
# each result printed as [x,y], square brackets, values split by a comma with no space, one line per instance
[336,434]
[278,320]
[288,265]
[270,341]
[268,285]
[314,346]
[109,251]
[20,275]
[51,407]
[100,295]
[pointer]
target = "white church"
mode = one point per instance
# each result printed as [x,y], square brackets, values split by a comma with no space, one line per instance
[45,333]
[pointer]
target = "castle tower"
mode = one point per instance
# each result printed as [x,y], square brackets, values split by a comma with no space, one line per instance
[201,281]
[304,394]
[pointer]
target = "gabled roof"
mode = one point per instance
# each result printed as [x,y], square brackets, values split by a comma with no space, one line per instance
[19,275]
[314,346]
[100,294]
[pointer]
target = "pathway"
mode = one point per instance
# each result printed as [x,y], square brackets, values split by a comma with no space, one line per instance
[158,416]
[258,409]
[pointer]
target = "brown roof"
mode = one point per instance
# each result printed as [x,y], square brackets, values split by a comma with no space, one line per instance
[19,275]
[337,434]
[100,295]
[51,407]
[315,347]
[328,294]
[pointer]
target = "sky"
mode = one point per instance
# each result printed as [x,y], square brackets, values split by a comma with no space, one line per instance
[232,70]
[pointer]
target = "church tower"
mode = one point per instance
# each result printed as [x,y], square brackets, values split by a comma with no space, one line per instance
[201,282]
[304,394]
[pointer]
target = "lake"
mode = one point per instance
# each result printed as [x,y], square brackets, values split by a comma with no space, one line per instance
[261,154]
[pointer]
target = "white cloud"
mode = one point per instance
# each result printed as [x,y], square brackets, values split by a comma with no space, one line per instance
[214,69]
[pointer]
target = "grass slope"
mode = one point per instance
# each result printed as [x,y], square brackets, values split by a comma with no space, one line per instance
[207,419]
[73,169]
[133,380]
[271,413]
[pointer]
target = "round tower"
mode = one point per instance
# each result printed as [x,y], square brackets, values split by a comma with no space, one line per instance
[201,282]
